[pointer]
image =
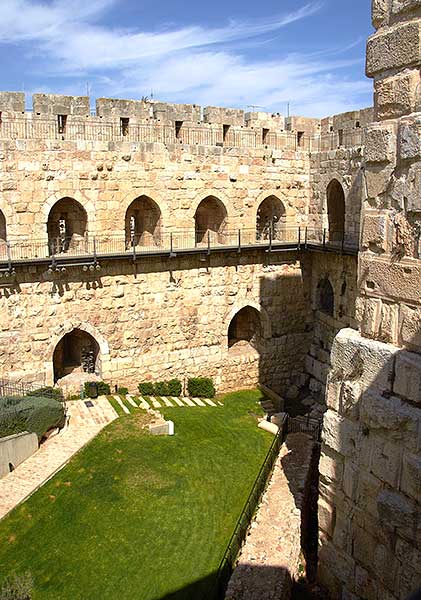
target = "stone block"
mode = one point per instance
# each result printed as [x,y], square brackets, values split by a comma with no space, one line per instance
[380,144]
[408,376]
[396,47]
[397,95]
[12,102]
[409,139]
[377,231]
[355,358]
[223,116]
[115,107]
[395,510]
[56,104]
[385,459]
[340,434]
[411,477]
[402,6]
[327,517]
[387,412]
[380,12]
[331,467]
[410,326]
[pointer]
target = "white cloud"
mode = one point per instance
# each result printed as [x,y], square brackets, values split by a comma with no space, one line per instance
[191,63]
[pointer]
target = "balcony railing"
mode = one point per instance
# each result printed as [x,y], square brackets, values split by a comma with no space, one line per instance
[89,249]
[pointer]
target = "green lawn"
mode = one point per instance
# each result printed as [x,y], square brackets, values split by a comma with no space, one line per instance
[139,517]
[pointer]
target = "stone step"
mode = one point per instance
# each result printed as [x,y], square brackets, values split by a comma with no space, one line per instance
[199,401]
[131,401]
[121,404]
[189,402]
[154,402]
[167,402]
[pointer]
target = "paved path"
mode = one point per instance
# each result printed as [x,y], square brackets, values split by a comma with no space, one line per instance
[83,424]
[270,556]
[152,402]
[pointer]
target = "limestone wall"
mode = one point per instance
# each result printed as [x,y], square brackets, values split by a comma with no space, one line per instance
[163,319]
[370,472]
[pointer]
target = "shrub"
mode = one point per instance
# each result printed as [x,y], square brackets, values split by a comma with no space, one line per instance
[160,388]
[123,391]
[48,392]
[201,387]
[146,388]
[174,387]
[30,413]
[17,587]
[102,387]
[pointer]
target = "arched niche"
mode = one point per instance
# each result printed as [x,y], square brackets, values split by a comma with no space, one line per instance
[270,219]
[245,331]
[210,221]
[67,227]
[77,351]
[336,210]
[325,297]
[143,223]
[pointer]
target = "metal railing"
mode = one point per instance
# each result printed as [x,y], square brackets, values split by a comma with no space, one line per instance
[96,129]
[226,566]
[12,388]
[305,424]
[91,248]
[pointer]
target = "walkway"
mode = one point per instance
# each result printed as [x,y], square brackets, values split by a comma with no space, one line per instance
[128,402]
[84,423]
[271,554]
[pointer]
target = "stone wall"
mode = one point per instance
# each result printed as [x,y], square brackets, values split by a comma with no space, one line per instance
[15,449]
[370,472]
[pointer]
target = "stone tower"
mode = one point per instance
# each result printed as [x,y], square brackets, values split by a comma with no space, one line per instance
[370,483]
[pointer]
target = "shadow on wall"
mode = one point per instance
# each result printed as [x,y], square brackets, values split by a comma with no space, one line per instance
[370,471]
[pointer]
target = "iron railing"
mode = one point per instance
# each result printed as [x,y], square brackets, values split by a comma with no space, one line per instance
[304,424]
[12,388]
[93,247]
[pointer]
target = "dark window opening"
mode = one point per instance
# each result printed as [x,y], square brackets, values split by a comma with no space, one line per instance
[326,300]
[178,126]
[226,129]
[357,125]
[336,211]
[62,122]
[341,137]
[1,114]
[245,330]
[300,139]
[210,221]
[124,125]
[265,135]
[331,129]
[143,223]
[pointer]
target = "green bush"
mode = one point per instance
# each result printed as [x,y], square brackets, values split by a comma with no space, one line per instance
[103,388]
[17,587]
[174,387]
[123,391]
[160,388]
[47,392]
[30,413]
[146,388]
[201,387]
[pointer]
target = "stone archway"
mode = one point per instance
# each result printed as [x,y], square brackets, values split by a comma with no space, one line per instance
[67,345]
[271,218]
[67,226]
[143,223]
[210,220]
[335,210]
[245,331]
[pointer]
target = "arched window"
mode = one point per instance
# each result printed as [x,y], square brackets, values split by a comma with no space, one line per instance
[3,236]
[210,221]
[245,330]
[143,223]
[336,211]
[3,230]
[326,297]
[77,351]
[67,227]
[270,218]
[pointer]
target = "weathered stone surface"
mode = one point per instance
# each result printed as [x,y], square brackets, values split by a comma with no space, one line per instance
[408,376]
[394,48]
[411,477]
[340,434]
[380,144]
[410,140]
[395,510]
[398,95]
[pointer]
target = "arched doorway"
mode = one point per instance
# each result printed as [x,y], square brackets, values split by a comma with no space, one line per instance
[143,223]
[270,218]
[326,297]
[77,351]
[210,221]
[3,235]
[245,331]
[67,227]
[336,211]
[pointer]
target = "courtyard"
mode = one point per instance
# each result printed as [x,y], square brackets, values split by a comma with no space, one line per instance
[138,516]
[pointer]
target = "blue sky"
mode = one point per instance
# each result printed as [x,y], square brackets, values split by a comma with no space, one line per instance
[309,53]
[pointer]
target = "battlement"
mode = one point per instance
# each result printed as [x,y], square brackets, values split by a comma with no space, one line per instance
[71,118]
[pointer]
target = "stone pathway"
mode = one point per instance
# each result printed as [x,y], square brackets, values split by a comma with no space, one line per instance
[83,423]
[270,556]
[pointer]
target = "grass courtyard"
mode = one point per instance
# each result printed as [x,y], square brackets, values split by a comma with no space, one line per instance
[134,516]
